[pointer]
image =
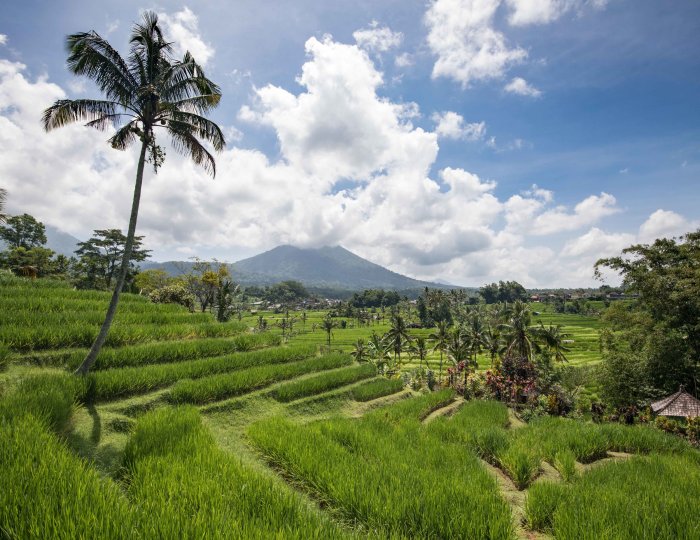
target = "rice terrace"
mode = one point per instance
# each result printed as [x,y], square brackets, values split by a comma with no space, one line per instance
[537,380]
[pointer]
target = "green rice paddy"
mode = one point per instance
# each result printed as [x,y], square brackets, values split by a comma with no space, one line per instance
[188,428]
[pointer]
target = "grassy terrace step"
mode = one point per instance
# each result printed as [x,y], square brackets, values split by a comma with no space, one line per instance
[321,383]
[183,486]
[26,338]
[376,388]
[648,497]
[218,387]
[48,492]
[157,352]
[97,316]
[380,471]
[115,383]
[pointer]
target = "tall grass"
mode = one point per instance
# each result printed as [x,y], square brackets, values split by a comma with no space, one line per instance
[322,383]
[47,492]
[175,351]
[37,337]
[217,387]
[479,425]
[376,388]
[115,383]
[48,397]
[644,497]
[184,487]
[414,409]
[394,479]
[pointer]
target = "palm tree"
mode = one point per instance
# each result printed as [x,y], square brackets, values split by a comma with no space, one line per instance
[493,343]
[3,198]
[420,349]
[519,335]
[397,336]
[553,338]
[440,337]
[475,333]
[360,353]
[378,351]
[148,90]
[328,324]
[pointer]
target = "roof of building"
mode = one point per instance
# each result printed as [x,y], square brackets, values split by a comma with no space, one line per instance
[679,404]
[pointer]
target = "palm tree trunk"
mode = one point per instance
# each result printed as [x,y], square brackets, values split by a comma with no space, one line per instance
[112,309]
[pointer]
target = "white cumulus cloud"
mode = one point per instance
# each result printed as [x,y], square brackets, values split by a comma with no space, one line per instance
[376,38]
[451,125]
[521,87]
[467,46]
[183,28]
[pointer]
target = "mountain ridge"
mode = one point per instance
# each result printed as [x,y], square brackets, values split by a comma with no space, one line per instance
[328,267]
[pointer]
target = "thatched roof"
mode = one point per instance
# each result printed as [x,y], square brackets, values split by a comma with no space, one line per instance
[679,404]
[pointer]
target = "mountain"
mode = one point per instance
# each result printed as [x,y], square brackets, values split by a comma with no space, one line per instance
[324,270]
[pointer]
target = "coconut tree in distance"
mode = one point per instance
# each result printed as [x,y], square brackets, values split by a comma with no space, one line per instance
[148,90]
[440,340]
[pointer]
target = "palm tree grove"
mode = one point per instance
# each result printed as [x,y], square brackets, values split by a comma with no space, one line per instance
[428,270]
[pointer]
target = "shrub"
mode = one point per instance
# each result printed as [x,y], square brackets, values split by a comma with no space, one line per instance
[176,293]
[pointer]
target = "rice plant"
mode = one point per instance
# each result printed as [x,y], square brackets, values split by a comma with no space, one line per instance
[114,383]
[542,500]
[49,397]
[182,486]
[376,388]
[321,383]
[565,463]
[390,477]
[217,387]
[47,492]
[521,463]
[644,497]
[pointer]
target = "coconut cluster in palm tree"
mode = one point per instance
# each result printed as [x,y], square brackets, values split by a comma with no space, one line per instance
[146,92]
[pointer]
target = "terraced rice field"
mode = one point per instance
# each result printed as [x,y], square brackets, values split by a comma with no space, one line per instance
[583,330]
[182,432]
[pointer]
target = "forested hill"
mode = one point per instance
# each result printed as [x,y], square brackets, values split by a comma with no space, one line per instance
[330,268]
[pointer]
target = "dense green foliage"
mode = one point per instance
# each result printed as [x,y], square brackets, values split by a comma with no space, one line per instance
[657,339]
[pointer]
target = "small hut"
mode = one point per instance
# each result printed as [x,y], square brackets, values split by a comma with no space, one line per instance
[680,405]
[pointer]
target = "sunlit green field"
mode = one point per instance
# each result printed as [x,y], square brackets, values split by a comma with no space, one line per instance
[583,330]
[182,432]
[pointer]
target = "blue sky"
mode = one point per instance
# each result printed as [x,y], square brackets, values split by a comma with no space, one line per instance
[461,140]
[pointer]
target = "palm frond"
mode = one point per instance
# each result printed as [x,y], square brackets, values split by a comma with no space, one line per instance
[198,125]
[124,136]
[178,87]
[92,56]
[67,111]
[185,143]
[197,104]
[102,122]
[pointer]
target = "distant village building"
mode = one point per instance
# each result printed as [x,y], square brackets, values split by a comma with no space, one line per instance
[680,405]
